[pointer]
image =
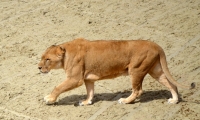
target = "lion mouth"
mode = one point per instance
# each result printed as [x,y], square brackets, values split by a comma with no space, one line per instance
[44,72]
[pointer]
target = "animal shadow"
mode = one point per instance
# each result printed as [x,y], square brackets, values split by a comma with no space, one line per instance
[147,96]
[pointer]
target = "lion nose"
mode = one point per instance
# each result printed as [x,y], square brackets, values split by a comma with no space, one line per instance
[39,68]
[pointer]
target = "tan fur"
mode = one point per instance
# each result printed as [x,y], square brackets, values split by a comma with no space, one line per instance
[88,61]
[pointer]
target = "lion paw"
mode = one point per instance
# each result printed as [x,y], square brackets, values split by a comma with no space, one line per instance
[122,101]
[172,101]
[49,100]
[82,103]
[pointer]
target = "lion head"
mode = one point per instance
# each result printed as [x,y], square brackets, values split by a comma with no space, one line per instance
[51,59]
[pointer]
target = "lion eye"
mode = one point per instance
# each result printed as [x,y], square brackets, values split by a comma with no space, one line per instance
[47,62]
[47,59]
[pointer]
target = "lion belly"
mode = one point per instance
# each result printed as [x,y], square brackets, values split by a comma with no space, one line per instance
[107,62]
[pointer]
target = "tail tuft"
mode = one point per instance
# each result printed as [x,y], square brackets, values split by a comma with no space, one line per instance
[192,86]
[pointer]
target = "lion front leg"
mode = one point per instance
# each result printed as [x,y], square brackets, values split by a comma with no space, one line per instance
[51,98]
[90,93]
[63,87]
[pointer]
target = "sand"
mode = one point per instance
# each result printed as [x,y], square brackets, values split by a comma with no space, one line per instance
[28,27]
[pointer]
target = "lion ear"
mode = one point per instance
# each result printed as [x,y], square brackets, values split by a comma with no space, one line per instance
[60,51]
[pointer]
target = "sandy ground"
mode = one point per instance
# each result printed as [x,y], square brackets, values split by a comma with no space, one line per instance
[28,27]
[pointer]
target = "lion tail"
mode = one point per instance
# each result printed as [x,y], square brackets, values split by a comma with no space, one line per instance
[168,75]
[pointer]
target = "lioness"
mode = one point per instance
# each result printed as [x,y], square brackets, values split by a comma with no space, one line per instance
[88,61]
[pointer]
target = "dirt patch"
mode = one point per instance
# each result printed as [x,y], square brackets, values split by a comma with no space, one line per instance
[27,28]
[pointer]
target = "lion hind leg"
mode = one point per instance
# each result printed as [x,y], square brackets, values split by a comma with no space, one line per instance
[157,73]
[136,90]
[173,89]
[137,71]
